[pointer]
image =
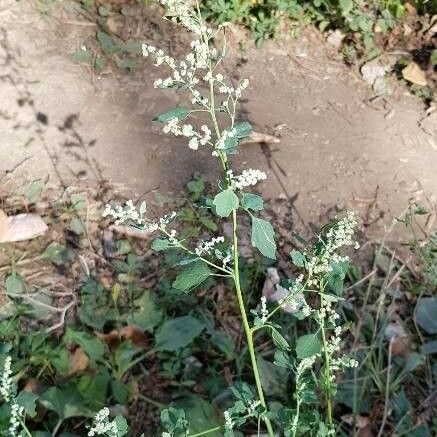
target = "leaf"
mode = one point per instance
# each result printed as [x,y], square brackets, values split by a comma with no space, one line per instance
[191,275]
[179,113]
[33,190]
[65,403]
[174,421]
[430,347]
[132,47]
[77,226]
[15,284]
[225,202]
[122,426]
[147,315]
[93,347]
[252,201]
[208,223]
[200,415]
[160,244]
[273,378]
[58,254]
[78,361]
[243,129]
[307,346]
[84,56]
[414,74]
[263,237]
[346,6]
[27,400]
[177,333]
[426,311]
[278,339]
[107,44]
[298,258]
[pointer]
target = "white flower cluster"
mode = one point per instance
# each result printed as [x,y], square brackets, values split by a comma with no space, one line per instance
[252,407]
[264,310]
[205,247]
[229,423]
[14,421]
[221,142]
[6,379]
[132,216]
[187,130]
[340,234]
[247,178]
[102,425]
[327,312]
[126,213]
[182,10]
[237,92]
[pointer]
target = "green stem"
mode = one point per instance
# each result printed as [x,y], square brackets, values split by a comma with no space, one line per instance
[247,331]
[208,431]
[327,376]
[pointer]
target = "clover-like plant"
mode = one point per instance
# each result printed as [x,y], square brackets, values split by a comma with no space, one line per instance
[217,128]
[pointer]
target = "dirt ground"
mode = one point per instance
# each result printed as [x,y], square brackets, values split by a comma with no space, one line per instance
[341,145]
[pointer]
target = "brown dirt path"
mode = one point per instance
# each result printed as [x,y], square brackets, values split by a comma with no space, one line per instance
[339,147]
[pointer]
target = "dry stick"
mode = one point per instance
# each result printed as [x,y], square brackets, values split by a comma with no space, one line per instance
[387,388]
[364,279]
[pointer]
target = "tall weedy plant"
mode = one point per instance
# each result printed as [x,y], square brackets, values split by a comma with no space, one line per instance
[214,99]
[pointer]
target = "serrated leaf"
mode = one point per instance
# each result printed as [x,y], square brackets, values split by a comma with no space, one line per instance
[263,237]
[178,333]
[243,129]
[252,201]
[426,311]
[191,275]
[92,346]
[179,113]
[307,346]
[147,315]
[225,202]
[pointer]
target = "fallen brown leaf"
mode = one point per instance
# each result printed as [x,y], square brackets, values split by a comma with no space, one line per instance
[414,74]
[130,332]
[20,227]
[79,361]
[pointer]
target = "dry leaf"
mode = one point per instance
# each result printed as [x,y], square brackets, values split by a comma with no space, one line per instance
[360,421]
[257,137]
[79,361]
[21,227]
[414,74]
[130,332]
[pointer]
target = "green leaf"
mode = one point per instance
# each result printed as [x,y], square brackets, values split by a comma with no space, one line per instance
[84,56]
[174,421]
[65,403]
[33,190]
[430,347]
[177,333]
[252,201]
[225,202]
[263,237]
[120,391]
[200,415]
[27,400]
[179,113]
[208,223]
[298,258]
[191,275]
[122,426]
[77,226]
[243,128]
[58,254]
[307,346]
[346,6]
[132,47]
[426,311]
[278,339]
[434,57]
[160,244]
[15,284]
[273,378]
[107,44]
[92,346]
[147,315]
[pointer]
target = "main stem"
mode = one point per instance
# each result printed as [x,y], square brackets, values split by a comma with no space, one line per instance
[247,331]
